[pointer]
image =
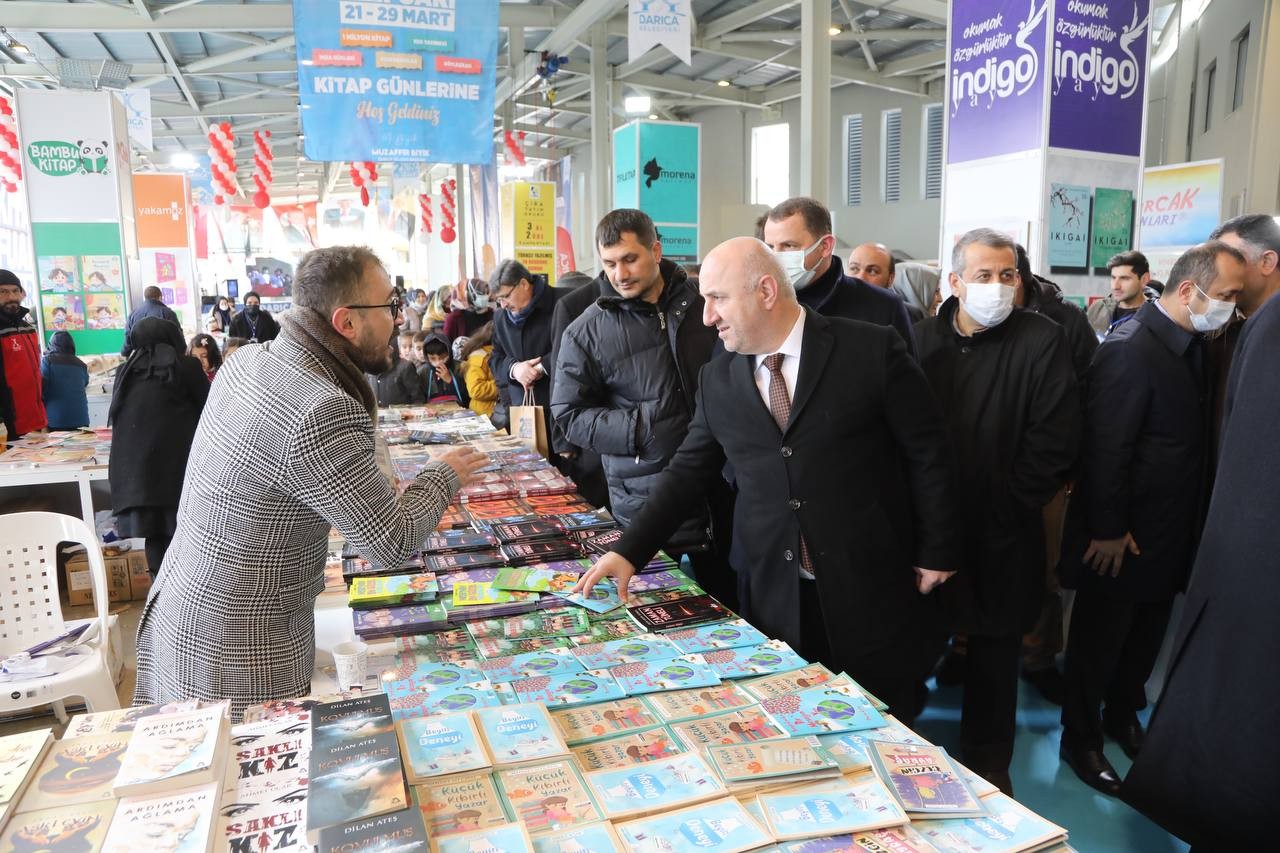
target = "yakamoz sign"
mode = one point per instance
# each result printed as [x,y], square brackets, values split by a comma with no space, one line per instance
[1099,75]
[995,85]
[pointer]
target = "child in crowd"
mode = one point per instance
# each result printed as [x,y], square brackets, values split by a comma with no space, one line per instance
[205,348]
[65,378]
[410,350]
[440,378]
[482,388]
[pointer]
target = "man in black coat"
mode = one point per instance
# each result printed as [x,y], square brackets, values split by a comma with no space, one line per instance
[1131,530]
[1008,393]
[844,513]
[627,373]
[1207,770]
[151,306]
[521,357]
[253,324]
[799,232]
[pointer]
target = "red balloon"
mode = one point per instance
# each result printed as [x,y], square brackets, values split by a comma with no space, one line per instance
[364,196]
[448,235]
[217,199]
[10,188]
[261,200]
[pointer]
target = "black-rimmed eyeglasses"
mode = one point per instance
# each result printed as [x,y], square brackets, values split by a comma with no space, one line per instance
[396,305]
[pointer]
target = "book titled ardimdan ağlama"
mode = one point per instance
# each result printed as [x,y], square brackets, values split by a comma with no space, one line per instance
[170,751]
[181,820]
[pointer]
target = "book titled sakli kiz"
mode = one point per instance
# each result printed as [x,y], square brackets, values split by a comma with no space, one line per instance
[170,751]
[606,719]
[628,749]
[681,673]
[767,658]
[720,826]
[182,820]
[547,797]
[572,688]
[823,709]
[530,664]
[830,808]
[634,649]
[517,734]
[657,786]
[924,779]
[733,634]
[441,744]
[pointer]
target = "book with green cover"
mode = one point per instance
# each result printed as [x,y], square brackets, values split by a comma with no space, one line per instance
[627,749]
[741,725]
[822,709]
[676,705]
[535,579]
[606,719]
[830,808]
[681,673]
[470,593]
[744,762]
[392,590]
[548,797]
[561,622]
[617,626]
[441,744]
[462,803]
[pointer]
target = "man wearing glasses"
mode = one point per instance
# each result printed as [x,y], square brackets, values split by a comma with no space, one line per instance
[231,614]
[521,358]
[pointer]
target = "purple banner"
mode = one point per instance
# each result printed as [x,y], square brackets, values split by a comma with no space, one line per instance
[1099,75]
[996,77]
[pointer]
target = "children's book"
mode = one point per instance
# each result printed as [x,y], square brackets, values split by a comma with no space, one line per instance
[606,719]
[445,700]
[1007,827]
[171,751]
[392,590]
[463,803]
[562,622]
[744,725]
[618,627]
[500,647]
[20,757]
[734,634]
[507,838]
[786,683]
[548,797]
[823,709]
[924,779]
[681,613]
[678,705]
[585,838]
[899,839]
[395,621]
[625,750]
[468,593]
[441,744]
[771,759]
[657,786]
[573,688]
[535,579]
[767,658]
[681,673]
[75,770]
[721,826]
[181,820]
[433,676]
[530,664]
[518,734]
[830,808]
[402,832]
[453,638]
[850,749]
[603,598]
[634,649]
[80,828]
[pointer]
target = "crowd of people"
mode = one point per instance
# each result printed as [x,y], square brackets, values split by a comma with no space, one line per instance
[897,482]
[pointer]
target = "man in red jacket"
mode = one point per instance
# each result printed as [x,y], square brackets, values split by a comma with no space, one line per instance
[21,404]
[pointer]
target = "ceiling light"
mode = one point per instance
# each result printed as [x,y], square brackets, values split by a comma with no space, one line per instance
[637,104]
[183,160]
[15,45]
[723,84]
[653,116]
[834,31]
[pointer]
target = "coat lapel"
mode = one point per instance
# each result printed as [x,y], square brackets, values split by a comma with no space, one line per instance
[814,352]
[744,387]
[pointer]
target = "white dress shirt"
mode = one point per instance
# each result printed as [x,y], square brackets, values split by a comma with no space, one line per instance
[790,350]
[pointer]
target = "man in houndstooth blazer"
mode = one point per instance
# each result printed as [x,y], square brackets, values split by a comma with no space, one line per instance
[284,451]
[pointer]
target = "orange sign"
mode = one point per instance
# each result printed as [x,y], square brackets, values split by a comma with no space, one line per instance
[161,205]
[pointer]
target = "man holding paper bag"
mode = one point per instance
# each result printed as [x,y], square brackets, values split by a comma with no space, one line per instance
[521,345]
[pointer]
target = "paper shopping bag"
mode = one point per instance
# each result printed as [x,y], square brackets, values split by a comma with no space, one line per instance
[528,425]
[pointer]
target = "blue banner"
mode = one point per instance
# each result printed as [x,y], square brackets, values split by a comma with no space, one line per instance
[397,80]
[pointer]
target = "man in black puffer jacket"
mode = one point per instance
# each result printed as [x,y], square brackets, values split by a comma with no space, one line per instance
[627,371]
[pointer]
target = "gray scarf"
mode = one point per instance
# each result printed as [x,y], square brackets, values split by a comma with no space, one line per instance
[312,331]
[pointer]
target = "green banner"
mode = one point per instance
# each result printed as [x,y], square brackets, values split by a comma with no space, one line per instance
[80,283]
[1112,224]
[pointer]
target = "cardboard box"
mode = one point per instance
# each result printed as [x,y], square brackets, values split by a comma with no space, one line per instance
[127,576]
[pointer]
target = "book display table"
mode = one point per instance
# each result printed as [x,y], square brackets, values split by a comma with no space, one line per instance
[73,458]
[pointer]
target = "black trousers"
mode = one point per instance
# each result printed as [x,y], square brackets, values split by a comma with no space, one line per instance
[989,710]
[156,547]
[905,696]
[1111,649]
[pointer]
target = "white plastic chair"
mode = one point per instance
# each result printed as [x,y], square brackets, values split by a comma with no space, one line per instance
[31,612]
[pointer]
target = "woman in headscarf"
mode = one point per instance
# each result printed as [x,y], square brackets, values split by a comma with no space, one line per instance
[65,378]
[159,395]
[471,310]
[917,284]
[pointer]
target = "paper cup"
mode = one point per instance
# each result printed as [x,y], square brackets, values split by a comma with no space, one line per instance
[351,659]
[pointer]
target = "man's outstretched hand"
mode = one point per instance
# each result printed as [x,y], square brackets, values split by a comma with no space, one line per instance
[611,565]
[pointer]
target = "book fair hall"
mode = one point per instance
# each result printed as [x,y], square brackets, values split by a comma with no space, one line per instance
[639,426]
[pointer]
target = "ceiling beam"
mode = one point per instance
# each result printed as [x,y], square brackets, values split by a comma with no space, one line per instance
[260,107]
[742,17]
[560,39]
[842,68]
[915,62]
[897,34]
[697,88]
[929,10]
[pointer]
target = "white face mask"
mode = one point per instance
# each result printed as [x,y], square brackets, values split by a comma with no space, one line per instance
[988,303]
[793,264]
[480,302]
[1218,315]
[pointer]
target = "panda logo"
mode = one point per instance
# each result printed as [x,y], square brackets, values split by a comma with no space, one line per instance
[93,156]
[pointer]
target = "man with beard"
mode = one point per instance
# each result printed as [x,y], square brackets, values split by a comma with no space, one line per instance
[286,449]
[253,324]
[21,405]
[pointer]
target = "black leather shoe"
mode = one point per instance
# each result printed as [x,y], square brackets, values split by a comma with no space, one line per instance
[1128,734]
[1047,682]
[1093,768]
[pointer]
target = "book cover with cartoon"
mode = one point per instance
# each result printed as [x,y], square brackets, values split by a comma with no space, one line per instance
[1007,827]
[392,590]
[441,744]
[743,725]
[104,311]
[722,826]
[743,762]
[733,634]
[767,658]
[657,786]
[617,627]
[66,829]
[607,719]
[786,683]
[830,808]
[530,664]
[520,733]
[75,770]
[641,648]
[683,673]
[677,705]
[433,676]
[508,838]
[628,749]
[573,688]
[444,700]
[536,579]
[899,839]
[823,709]
[499,647]
[850,749]
[586,838]
[924,779]
[547,797]
[58,273]
[101,273]
[457,804]
[603,597]
[167,749]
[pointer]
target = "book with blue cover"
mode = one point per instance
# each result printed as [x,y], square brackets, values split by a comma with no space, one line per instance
[800,757]
[830,808]
[397,621]
[734,634]
[1007,827]
[441,744]
[677,705]
[500,647]
[433,676]
[624,750]
[850,749]
[681,673]
[605,719]
[767,658]
[520,733]
[530,664]
[570,688]
[924,779]
[596,837]
[824,709]
[660,785]
[721,826]
[507,838]
[898,839]
[634,649]
[602,599]
[445,700]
